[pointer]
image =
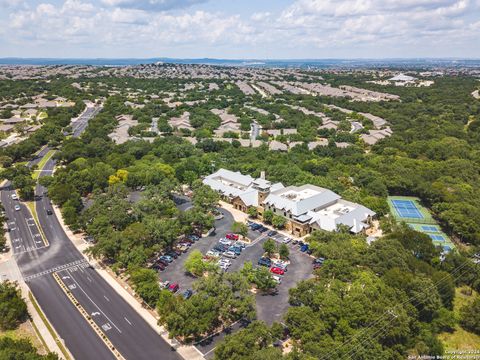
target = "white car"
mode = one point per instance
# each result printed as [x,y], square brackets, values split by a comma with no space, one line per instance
[14,197]
[213,253]
[286,240]
[164,284]
[230,254]
[17,208]
[223,267]
[225,241]
[280,265]
[225,261]
[277,278]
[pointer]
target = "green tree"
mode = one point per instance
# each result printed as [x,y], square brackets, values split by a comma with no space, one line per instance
[194,263]
[283,251]
[470,316]
[240,228]
[263,279]
[21,349]
[269,246]
[268,216]
[253,342]
[278,221]
[205,198]
[13,309]
[145,283]
[252,212]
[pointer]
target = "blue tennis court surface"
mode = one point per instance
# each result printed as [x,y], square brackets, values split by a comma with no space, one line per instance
[429,228]
[407,209]
[439,238]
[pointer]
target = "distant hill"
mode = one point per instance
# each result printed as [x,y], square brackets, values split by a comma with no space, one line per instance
[318,63]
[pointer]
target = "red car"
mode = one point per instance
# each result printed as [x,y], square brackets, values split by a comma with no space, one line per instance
[173,287]
[231,236]
[277,270]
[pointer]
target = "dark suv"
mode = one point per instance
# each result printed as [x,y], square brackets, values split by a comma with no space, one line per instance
[265,262]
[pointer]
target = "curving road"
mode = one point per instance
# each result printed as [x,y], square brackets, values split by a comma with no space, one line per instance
[38,260]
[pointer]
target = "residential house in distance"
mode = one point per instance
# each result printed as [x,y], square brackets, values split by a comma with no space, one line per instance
[305,208]
[375,135]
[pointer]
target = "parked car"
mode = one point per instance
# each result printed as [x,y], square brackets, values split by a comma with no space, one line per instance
[262,229]
[218,248]
[232,236]
[272,233]
[225,241]
[163,262]
[277,270]
[230,254]
[295,242]
[235,249]
[286,240]
[173,287]
[166,258]
[17,208]
[194,237]
[187,294]
[264,262]
[316,266]
[185,244]
[213,253]
[158,267]
[14,197]
[182,249]
[255,226]
[282,266]
[304,248]
[240,244]
[172,254]
[225,261]
[277,278]
[319,260]
[164,285]
[224,267]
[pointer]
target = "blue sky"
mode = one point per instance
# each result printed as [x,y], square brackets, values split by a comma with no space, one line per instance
[262,29]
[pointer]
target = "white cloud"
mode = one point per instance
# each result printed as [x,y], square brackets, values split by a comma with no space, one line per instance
[158,5]
[305,28]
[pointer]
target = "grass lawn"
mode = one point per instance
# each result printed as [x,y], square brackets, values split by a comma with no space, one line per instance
[42,163]
[461,339]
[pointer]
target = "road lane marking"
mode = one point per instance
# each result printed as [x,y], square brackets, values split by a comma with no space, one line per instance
[106,298]
[101,334]
[127,321]
[80,262]
[89,298]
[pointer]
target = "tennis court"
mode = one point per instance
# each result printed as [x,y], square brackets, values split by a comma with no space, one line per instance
[438,238]
[429,228]
[406,209]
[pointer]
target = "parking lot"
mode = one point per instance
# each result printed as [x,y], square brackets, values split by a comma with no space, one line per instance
[270,308]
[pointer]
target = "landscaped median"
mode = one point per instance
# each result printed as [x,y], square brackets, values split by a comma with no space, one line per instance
[42,163]
[33,211]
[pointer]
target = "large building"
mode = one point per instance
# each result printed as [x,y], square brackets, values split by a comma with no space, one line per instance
[306,207]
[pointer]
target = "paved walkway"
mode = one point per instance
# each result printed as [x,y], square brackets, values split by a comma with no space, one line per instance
[10,271]
[126,292]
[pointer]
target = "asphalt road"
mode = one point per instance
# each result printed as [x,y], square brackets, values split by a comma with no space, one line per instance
[126,330]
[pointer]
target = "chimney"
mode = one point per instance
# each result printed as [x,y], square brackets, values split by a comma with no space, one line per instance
[262,175]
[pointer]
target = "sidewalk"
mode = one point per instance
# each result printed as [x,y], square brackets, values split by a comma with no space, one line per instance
[9,270]
[127,293]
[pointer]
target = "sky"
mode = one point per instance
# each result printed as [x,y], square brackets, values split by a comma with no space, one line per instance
[240,29]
